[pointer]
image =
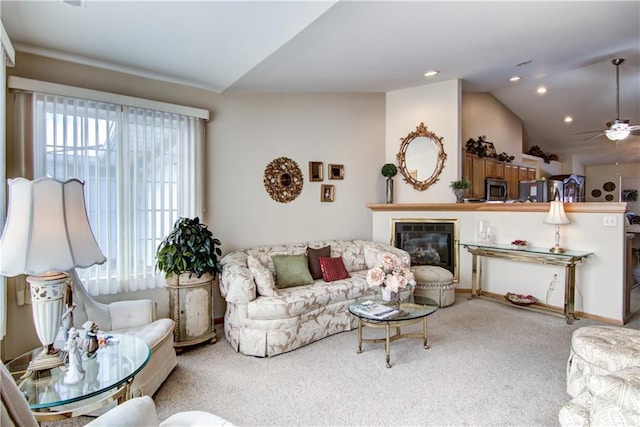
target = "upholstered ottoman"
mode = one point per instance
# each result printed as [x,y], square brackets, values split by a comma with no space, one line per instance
[435,283]
[600,350]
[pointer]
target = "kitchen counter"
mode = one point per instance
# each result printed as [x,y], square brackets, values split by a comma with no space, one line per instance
[587,207]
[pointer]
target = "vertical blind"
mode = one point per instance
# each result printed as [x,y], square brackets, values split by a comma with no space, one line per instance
[141,171]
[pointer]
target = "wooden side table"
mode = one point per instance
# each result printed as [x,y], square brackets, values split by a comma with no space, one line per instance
[191,307]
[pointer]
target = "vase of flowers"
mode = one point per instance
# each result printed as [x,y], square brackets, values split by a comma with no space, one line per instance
[392,276]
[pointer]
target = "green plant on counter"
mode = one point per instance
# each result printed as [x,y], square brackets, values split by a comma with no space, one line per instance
[462,184]
[389,170]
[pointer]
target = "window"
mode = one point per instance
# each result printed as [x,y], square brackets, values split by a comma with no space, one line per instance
[141,172]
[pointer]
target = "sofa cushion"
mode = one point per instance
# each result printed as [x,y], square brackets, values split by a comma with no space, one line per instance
[333,269]
[296,301]
[291,270]
[314,264]
[262,276]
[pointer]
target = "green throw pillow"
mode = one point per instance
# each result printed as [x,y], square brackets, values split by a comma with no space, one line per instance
[291,270]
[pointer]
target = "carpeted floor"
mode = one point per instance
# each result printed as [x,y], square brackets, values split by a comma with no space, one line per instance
[489,365]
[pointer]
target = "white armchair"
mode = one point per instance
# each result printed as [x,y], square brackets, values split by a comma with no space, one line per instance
[140,411]
[138,318]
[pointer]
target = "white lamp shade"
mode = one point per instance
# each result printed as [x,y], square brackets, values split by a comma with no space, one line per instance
[618,135]
[556,213]
[47,228]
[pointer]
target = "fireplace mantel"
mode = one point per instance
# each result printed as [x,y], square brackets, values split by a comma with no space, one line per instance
[590,207]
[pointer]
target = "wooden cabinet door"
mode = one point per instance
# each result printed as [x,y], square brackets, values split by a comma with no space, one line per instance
[490,168]
[511,173]
[499,170]
[522,173]
[531,173]
[477,178]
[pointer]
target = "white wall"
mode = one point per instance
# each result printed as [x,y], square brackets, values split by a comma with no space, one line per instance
[249,131]
[597,175]
[438,107]
[599,279]
[483,114]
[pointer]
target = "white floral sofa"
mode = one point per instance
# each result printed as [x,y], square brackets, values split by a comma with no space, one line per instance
[265,325]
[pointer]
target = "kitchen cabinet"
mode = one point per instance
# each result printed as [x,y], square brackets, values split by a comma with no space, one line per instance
[476,169]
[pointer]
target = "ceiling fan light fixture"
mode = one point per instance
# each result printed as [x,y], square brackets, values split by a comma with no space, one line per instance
[617,134]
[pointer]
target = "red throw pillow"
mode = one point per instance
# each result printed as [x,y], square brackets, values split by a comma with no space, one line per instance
[333,269]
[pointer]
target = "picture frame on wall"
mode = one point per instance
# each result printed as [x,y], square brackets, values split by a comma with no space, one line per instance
[336,171]
[315,171]
[326,193]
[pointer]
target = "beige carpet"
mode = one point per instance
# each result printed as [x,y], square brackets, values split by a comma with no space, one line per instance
[489,365]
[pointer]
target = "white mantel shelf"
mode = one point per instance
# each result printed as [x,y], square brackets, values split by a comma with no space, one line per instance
[593,207]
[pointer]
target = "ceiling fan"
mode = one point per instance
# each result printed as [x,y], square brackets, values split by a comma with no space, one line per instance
[617,129]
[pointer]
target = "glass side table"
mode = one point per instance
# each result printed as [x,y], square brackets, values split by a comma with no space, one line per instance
[408,314]
[107,379]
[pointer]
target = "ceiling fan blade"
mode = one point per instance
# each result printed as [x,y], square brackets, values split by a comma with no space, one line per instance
[586,131]
[594,136]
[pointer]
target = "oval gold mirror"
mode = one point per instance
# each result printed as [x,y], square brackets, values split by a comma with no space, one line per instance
[421,157]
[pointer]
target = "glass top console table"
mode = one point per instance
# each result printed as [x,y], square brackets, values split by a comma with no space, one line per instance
[107,379]
[569,259]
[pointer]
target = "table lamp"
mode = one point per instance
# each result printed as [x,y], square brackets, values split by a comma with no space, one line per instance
[46,234]
[557,217]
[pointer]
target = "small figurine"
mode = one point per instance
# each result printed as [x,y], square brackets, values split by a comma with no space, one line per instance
[90,341]
[75,372]
[66,321]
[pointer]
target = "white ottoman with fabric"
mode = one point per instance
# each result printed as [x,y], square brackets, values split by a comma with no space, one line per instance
[435,283]
[600,350]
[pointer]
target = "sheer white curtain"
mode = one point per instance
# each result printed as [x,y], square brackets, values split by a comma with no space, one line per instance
[142,171]
[7,59]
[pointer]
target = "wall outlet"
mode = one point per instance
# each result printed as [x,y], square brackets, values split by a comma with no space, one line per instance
[609,221]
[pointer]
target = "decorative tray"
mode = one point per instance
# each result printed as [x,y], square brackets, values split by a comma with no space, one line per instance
[519,299]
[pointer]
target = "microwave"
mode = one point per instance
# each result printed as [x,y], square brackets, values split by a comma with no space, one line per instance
[495,190]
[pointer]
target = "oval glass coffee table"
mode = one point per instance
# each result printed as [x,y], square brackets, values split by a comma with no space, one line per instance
[107,379]
[404,314]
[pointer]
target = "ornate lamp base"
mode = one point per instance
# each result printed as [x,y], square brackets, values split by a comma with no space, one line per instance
[557,250]
[47,303]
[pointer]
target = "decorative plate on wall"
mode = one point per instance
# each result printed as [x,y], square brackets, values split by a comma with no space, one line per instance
[596,193]
[609,197]
[283,180]
[609,186]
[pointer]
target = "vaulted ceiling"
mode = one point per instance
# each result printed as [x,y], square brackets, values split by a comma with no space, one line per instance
[358,46]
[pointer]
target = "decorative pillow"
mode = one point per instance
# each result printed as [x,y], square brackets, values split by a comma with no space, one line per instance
[263,277]
[291,270]
[314,264]
[333,269]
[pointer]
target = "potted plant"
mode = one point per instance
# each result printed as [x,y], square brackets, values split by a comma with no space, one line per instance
[189,248]
[459,187]
[389,170]
[188,256]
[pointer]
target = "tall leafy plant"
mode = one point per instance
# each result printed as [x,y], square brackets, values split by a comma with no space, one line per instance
[189,247]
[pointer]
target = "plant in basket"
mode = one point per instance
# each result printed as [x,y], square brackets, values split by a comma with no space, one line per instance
[392,276]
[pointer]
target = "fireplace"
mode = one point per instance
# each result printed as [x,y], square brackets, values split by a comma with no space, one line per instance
[428,241]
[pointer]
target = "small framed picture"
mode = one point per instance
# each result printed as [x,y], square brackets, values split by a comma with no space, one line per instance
[315,171]
[336,171]
[326,194]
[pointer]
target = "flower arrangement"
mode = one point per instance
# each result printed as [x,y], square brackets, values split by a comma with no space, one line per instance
[390,274]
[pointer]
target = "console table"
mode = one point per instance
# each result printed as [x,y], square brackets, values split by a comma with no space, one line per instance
[568,259]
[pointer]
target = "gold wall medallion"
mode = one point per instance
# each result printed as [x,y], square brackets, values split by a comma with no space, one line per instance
[283,179]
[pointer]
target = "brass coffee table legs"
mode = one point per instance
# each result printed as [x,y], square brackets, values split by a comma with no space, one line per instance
[388,339]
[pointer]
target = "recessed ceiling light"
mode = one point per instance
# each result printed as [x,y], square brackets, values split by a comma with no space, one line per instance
[568,119]
[514,79]
[431,73]
[542,90]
